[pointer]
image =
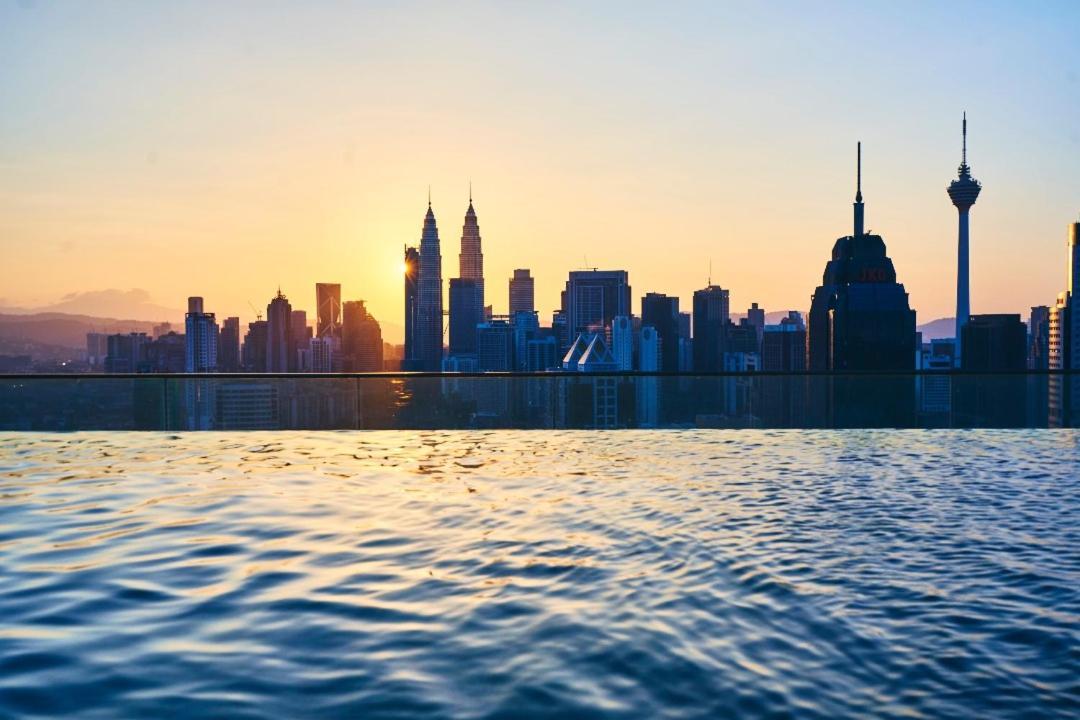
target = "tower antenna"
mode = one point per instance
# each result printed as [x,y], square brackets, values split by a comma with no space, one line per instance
[858,172]
[429,196]
[858,190]
[963,155]
[709,283]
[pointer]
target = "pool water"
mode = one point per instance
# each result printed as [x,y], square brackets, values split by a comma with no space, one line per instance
[503,574]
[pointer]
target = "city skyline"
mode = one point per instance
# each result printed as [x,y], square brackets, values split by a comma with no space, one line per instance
[745,171]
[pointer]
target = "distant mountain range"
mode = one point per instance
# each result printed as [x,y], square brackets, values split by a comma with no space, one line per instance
[937,329]
[135,304]
[61,329]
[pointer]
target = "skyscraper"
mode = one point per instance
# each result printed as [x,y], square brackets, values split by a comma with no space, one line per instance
[201,336]
[1039,338]
[593,298]
[411,266]
[471,259]
[253,351]
[662,313]
[756,317]
[1064,340]
[622,342]
[993,343]
[328,310]
[963,192]
[860,318]
[711,314]
[279,340]
[361,338]
[522,292]
[466,312]
[429,323]
[228,356]
[300,334]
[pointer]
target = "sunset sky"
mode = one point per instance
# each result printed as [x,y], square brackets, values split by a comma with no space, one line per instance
[224,149]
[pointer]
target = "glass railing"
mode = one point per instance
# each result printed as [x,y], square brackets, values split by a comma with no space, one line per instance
[539,400]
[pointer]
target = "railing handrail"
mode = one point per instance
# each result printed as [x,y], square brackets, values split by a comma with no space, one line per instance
[404,375]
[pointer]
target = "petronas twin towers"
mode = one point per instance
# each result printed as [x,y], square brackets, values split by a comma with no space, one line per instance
[424,289]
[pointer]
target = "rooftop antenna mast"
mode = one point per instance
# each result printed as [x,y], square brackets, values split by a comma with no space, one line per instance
[858,191]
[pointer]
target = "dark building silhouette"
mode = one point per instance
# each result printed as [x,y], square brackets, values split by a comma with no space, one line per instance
[466,312]
[409,358]
[228,355]
[167,354]
[328,310]
[711,314]
[126,353]
[860,321]
[522,292]
[1039,338]
[362,342]
[756,316]
[963,192]
[279,342]
[662,313]
[253,352]
[783,346]
[992,344]
[592,299]
[860,318]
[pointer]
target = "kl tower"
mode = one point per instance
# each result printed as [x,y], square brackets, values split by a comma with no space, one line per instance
[963,191]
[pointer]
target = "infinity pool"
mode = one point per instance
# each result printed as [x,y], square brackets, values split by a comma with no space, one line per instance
[687,574]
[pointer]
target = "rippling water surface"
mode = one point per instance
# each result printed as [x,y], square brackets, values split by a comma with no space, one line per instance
[541,574]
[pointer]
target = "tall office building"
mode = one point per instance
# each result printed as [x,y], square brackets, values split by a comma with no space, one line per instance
[125,353]
[1064,340]
[322,351]
[495,346]
[756,317]
[992,343]
[860,318]
[466,312]
[662,313]
[328,310]
[97,349]
[647,389]
[279,339]
[361,338]
[471,259]
[1039,338]
[522,292]
[622,342]
[253,351]
[300,334]
[963,192]
[783,346]
[228,355]
[526,327]
[429,322]
[411,266]
[593,298]
[201,335]
[711,315]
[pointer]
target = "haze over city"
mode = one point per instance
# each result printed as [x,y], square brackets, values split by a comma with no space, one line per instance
[226,150]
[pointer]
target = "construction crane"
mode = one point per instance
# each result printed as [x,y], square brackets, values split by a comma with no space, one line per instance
[258,315]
